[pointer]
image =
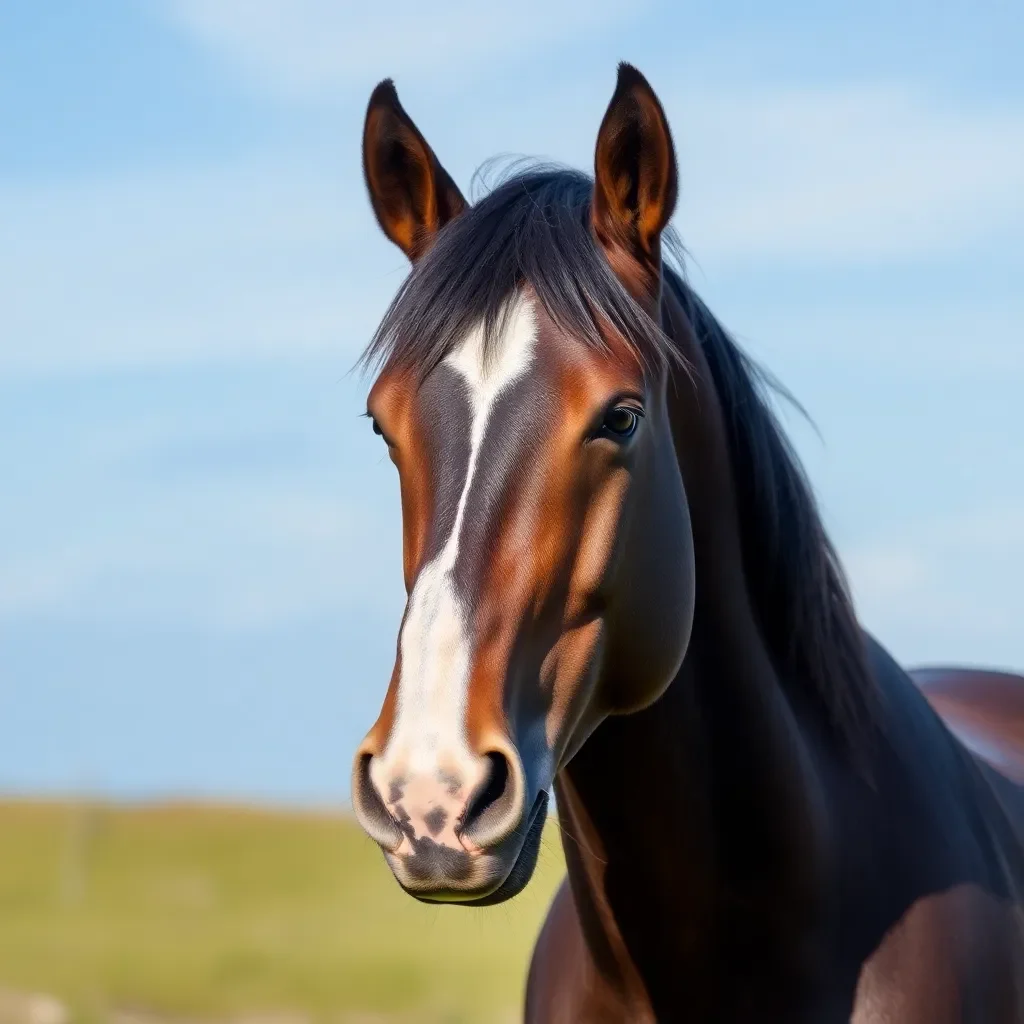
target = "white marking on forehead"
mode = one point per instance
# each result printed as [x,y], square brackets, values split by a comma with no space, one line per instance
[429,732]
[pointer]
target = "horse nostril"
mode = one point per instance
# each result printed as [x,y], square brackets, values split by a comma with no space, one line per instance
[376,819]
[490,814]
[493,786]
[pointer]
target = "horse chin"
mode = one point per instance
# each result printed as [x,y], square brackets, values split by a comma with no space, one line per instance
[522,870]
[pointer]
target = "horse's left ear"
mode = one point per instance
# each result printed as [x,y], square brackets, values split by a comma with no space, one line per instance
[412,195]
[635,183]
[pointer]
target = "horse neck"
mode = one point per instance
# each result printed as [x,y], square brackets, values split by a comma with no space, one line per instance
[696,823]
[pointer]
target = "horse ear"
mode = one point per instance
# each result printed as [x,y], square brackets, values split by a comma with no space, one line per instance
[635,183]
[412,195]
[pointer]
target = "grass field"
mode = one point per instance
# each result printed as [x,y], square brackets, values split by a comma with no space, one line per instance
[186,912]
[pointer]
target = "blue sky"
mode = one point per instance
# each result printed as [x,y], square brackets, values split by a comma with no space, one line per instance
[199,538]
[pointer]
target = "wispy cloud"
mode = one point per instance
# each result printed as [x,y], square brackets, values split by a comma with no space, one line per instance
[282,260]
[314,47]
[236,262]
[231,559]
[958,336]
[946,588]
[869,170]
[857,174]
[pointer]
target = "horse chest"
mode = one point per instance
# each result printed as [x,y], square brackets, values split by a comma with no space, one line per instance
[955,957]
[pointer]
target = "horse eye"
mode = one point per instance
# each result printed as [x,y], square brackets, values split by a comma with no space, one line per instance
[376,427]
[621,422]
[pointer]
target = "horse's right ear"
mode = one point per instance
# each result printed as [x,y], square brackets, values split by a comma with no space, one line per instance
[635,183]
[412,195]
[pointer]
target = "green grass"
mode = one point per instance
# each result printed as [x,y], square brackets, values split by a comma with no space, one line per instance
[208,912]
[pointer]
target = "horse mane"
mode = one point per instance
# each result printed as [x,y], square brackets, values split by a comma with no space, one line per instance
[798,588]
[533,228]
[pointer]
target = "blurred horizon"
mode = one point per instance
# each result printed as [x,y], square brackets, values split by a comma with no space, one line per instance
[176,915]
[200,580]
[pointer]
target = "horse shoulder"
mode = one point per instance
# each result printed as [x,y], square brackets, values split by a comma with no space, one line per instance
[955,957]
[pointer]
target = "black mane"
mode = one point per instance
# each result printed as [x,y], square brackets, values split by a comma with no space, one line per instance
[797,585]
[533,228]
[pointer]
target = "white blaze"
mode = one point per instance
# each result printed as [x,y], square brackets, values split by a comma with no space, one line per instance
[429,731]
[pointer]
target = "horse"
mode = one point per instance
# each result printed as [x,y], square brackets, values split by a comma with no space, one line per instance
[620,588]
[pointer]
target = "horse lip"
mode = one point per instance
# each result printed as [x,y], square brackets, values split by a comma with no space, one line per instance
[486,899]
